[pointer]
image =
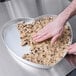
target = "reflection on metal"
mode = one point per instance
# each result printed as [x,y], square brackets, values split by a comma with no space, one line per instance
[34,8]
[3,0]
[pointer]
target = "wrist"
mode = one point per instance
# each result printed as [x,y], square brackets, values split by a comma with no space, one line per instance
[64,16]
[61,20]
[67,13]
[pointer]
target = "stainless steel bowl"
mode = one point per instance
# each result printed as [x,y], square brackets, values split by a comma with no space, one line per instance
[11,39]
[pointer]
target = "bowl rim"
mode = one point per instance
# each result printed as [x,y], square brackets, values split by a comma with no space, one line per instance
[29,62]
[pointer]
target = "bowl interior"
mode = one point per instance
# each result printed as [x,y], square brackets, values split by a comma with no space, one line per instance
[11,37]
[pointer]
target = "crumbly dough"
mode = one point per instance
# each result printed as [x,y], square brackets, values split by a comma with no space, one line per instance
[43,53]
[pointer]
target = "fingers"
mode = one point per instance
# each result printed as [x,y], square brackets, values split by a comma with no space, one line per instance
[42,38]
[41,32]
[54,38]
[39,35]
[72,49]
[36,38]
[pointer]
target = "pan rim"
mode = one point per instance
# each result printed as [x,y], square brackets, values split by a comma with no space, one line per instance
[25,61]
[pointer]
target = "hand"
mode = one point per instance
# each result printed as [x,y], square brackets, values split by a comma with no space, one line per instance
[72,49]
[51,30]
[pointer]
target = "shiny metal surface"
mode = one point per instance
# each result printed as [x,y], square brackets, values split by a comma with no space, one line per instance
[19,8]
[34,8]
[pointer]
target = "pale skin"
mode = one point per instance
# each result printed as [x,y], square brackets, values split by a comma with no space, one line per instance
[54,29]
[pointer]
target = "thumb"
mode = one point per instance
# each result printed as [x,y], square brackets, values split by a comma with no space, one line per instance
[54,38]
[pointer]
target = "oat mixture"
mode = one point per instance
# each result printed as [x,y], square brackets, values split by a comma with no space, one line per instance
[43,52]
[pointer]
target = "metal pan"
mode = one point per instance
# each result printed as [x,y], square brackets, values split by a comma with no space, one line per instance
[11,39]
